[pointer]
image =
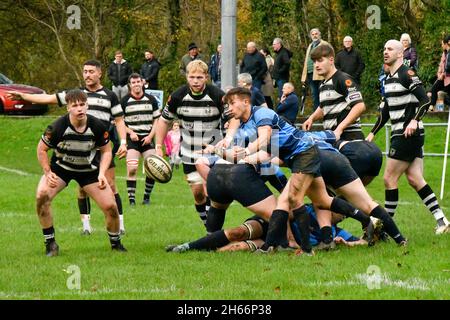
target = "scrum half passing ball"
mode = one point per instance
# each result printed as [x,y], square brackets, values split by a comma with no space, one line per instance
[157,168]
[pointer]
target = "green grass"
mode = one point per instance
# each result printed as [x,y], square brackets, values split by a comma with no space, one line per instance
[420,271]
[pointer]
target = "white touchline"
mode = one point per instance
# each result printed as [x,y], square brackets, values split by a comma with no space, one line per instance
[19,172]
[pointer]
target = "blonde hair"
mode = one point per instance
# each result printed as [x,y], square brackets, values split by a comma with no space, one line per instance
[405,36]
[197,65]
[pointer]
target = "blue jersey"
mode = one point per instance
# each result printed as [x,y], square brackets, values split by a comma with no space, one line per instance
[324,140]
[315,236]
[286,141]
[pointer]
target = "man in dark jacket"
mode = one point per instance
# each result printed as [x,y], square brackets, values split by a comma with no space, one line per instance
[288,106]
[255,64]
[118,72]
[215,66]
[349,60]
[150,70]
[281,66]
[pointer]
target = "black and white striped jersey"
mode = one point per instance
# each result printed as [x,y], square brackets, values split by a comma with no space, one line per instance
[199,118]
[76,151]
[102,104]
[338,95]
[140,113]
[405,100]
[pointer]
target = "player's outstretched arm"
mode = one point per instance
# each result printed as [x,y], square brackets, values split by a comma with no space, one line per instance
[41,98]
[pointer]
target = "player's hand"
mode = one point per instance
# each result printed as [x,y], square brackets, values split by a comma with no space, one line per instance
[208,148]
[14,95]
[102,182]
[52,179]
[370,137]
[337,133]
[159,152]
[340,240]
[307,124]
[122,152]
[224,143]
[411,128]
[146,140]
[134,136]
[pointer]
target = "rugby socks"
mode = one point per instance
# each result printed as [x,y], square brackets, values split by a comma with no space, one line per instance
[430,201]
[119,207]
[131,189]
[49,235]
[391,201]
[114,238]
[301,216]
[212,241]
[342,207]
[201,210]
[276,233]
[388,223]
[215,220]
[327,234]
[149,184]
[84,206]
[359,216]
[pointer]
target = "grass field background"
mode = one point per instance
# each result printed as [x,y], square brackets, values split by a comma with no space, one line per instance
[419,271]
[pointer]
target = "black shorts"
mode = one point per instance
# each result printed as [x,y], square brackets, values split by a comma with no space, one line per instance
[364,156]
[82,178]
[352,135]
[137,145]
[306,162]
[264,224]
[240,182]
[189,168]
[336,169]
[406,149]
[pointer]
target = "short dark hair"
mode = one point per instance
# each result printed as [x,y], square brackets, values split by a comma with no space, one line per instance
[134,75]
[75,95]
[94,63]
[238,91]
[322,50]
[446,38]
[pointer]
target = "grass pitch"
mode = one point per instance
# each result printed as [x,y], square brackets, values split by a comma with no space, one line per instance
[385,271]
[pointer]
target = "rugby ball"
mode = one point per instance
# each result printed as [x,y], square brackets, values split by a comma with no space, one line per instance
[157,168]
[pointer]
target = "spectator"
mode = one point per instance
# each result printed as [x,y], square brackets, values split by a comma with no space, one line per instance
[192,55]
[443,75]
[215,66]
[349,60]
[410,58]
[267,87]
[256,98]
[288,106]
[172,142]
[309,74]
[150,70]
[118,72]
[281,66]
[255,64]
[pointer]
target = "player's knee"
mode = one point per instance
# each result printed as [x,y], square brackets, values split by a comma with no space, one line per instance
[132,171]
[237,234]
[413,180]
[111,209]
[42,202]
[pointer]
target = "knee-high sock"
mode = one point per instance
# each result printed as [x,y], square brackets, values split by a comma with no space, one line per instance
[301,216]
[276,233]
[388,223]
[391,201]
[215,219]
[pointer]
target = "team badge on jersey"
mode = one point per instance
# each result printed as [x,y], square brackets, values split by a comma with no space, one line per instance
[348,82]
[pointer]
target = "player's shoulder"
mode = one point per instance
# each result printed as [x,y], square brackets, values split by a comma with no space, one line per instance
[95,123]
[214,90]
[151,98]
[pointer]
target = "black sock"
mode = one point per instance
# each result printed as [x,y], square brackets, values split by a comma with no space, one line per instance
[131,189]
[430,201]
[391,201]
[327,235]
[119,203]
[210,242]
[276,233]
[215,219]
[114,238]
[149,184]
[49,235]
[84,205]
[301,217]
[388,223]
[342,207]
[201,210]
[358,215]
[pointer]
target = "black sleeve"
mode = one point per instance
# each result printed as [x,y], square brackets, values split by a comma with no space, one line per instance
[111,74]
[153,71]
[100,131]
[361,66]
[285,63]
[337,62]
[263,65]
[411,81]
[382,119]
[51,135]
[349,89]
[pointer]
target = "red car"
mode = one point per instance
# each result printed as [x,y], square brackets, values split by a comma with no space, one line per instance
[18,106]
